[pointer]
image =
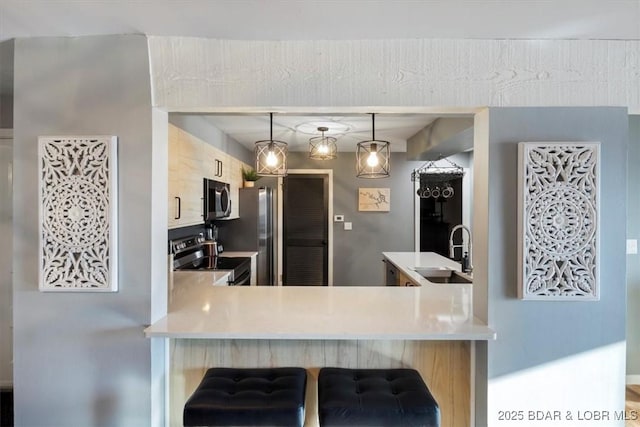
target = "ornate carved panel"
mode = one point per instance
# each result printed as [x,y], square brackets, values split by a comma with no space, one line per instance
[78,213]
[558,215]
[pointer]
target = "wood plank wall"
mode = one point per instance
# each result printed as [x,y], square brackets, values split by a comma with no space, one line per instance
[190,73]
[444,365]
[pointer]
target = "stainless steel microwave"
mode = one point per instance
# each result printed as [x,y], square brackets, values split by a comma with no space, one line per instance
[217,203]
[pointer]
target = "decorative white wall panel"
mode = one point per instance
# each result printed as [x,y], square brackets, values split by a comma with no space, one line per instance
[558,216]
[197,74]
[78,213]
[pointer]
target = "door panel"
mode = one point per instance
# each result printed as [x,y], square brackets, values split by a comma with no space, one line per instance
[305,230]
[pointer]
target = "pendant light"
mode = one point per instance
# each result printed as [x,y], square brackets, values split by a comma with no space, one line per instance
[271,155]
[323,147]
[372,157]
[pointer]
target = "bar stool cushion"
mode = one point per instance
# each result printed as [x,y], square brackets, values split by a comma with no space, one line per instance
[375,397]
[248,397]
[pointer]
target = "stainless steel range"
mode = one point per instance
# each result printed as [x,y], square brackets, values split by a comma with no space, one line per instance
[195,253]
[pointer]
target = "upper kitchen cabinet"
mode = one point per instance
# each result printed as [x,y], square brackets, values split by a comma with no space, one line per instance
[220,166]
[190,161]
[185,179]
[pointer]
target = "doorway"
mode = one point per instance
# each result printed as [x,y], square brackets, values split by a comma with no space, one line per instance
[438,215]
[305,245]
[429,212]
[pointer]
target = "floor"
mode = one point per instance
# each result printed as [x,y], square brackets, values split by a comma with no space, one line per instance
[632,406]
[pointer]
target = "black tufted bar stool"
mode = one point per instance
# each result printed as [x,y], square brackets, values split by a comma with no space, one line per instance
[375,397]
[248,397]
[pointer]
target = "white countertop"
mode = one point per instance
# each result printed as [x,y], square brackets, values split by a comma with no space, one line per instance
[407,261]
[231,254]
[427,312]
[200,277]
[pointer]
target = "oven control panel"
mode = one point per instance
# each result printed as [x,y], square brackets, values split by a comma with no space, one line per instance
[181,245]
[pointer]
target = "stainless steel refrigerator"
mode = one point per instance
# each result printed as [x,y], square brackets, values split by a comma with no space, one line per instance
[253,231]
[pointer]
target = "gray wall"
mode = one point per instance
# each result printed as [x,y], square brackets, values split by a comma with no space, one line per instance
[633,263]
[6,255]
[535,337]
[358,253]
[200,126]
[81,359]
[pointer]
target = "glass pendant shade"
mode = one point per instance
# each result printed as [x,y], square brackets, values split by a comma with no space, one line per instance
[323,147]
[373,157]
[271,155]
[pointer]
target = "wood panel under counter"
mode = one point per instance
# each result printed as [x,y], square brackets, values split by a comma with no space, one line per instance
[444,365]
[428,328]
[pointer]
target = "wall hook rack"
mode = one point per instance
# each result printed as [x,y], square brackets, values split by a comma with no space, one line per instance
[435,179]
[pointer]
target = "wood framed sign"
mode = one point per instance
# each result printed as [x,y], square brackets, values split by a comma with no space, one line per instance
[374,199]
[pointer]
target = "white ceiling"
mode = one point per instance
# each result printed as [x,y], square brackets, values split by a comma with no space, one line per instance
[324,20]
[348,129]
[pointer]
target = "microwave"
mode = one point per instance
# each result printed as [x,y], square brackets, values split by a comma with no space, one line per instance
[217,203]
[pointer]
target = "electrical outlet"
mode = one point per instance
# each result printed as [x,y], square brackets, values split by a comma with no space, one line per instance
[632,246]
[348,226]
[338,218]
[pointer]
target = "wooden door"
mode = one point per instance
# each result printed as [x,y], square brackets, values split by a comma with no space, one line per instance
[305,230]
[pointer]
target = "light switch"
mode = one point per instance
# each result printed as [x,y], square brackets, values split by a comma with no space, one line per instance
[347,226]
[632,246]
[338,218]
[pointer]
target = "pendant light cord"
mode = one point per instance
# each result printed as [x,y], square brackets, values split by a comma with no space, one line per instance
[373,126]
[271,126]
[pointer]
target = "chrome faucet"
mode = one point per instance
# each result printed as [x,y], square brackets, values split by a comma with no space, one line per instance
[468,268]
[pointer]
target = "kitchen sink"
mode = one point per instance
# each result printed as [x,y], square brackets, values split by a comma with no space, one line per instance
[441,275]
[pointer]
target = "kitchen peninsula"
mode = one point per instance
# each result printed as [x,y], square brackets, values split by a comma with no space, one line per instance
[427,327]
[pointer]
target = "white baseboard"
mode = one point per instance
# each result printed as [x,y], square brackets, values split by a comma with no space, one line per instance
[633,379]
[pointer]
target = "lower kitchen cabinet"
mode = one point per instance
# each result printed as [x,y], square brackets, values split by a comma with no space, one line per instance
[404,280]
[395,277]
[392,274]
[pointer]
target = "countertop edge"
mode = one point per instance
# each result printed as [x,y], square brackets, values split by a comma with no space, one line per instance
[235,254]
[484,336]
